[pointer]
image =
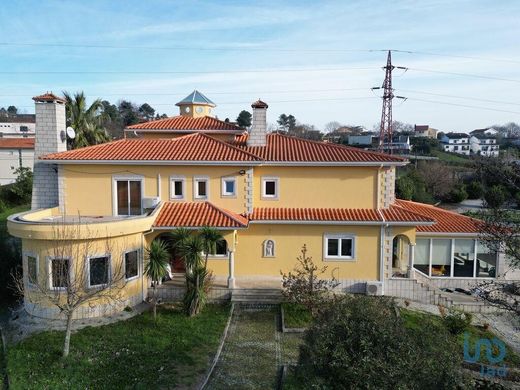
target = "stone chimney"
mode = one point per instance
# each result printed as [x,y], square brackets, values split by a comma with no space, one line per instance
[258,132]
[50,138]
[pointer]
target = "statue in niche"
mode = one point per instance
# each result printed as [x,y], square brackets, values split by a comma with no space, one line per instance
[268,248]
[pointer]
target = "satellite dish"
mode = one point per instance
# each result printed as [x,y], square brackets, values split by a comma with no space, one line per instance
[71,133]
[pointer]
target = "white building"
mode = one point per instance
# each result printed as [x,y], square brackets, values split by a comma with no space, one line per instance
[484,145]
[15,153]
[456,143]
[22,125]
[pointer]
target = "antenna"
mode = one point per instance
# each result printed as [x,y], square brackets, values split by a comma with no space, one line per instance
[71,133]
[386,130]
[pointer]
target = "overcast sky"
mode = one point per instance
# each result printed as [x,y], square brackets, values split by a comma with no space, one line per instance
[307,52]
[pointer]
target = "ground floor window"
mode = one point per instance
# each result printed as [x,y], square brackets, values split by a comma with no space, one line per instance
[339,246]
[32,269]
[462,258]
[59,273]
[131,264]
[221,249]
[99,271]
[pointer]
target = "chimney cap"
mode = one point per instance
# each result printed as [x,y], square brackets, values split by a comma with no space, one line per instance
[49,97]
[259,104]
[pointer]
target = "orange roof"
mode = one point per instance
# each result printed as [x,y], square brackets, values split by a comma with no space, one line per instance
[49,97]
[16,143]
[393,214]
[192,147]
[282,148]
[445,221]
[197,214]
[186,123]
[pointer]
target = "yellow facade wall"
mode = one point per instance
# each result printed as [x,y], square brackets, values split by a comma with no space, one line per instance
[78,251]
[334,187]
[289,240]
[89,188]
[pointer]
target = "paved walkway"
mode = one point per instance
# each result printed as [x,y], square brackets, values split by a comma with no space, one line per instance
[255,350]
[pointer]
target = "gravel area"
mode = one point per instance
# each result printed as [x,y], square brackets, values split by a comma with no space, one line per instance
[505,325]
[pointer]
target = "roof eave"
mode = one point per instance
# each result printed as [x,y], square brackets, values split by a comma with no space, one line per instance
[314,222]
[149,162]
[213,131]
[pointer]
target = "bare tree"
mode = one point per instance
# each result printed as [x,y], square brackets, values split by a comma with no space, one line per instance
[438,177]
[74,278]
[331,126]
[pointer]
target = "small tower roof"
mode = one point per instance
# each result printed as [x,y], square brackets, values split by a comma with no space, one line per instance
[48,97]
[196,97]
[259,104]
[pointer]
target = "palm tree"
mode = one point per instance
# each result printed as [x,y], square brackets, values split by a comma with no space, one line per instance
[86,121]
[157,256]
[210,236]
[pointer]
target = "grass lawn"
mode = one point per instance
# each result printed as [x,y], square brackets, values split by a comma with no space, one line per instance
[13,210]
[295,315]
[414,319]
[451,158]
[129,354]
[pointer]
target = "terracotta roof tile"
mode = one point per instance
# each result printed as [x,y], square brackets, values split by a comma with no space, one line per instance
[446,221]
[186,123]
[16,143]
[49,97]
[394,214]
[193,147]
[282,148]
[197,214]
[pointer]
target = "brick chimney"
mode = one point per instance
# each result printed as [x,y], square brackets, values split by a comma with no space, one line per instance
[50,138]
[258,132]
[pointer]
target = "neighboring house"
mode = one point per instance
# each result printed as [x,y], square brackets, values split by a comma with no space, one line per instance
[268,194]
[456,143]
[20,125]
[360,140]
[425,131]
[400,145]
[15,153]
[488,131]
[484,145]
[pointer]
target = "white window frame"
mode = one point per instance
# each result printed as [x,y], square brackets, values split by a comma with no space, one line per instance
[173,179]
[265,179]
[117,178]
[196,180]
[138,250]
[339,237]
[223,187]
[49,267]
[26,256]
[109,256]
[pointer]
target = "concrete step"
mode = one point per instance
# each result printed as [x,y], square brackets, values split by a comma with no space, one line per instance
[255,300]
[249,291]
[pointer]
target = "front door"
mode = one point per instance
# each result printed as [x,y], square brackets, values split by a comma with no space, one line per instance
[177,263]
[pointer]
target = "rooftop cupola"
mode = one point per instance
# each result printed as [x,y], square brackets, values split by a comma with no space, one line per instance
[196,105]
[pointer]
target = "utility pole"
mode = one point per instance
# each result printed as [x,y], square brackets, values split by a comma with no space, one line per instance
[385,130]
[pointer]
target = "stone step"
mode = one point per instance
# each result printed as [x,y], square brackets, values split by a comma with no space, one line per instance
[255,299]
[266,292]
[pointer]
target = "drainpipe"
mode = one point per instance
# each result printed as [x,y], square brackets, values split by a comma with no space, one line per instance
[382,252]
[159,185]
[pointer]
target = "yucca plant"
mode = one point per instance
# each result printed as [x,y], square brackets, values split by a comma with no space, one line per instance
[210,236]
[197,277]
[157,256]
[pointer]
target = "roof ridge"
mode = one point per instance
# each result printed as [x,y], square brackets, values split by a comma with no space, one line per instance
[412,212]
[328,144]
[229,145]
[226,212]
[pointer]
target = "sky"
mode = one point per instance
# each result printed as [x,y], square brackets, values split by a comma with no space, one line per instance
[317,60]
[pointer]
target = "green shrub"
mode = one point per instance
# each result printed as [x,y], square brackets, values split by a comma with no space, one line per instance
[361,343]
[405,188]
[496,196]
[456,321]
[457,195]
[3,206]
[475,189]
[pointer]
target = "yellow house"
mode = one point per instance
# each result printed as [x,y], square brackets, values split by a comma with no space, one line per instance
[269,194]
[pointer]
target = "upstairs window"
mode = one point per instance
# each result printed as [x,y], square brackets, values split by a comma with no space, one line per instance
[229,186]
[270,187]
[339,246]
[99,271]
[129,196]
[177,187]
[201,187]
[59,273]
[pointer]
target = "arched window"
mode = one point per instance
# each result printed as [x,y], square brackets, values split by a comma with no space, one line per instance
[268,248]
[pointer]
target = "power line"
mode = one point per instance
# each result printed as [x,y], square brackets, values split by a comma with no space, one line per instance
[460,97]
[465,75]
[463,105]
[458,56]
[183,71]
